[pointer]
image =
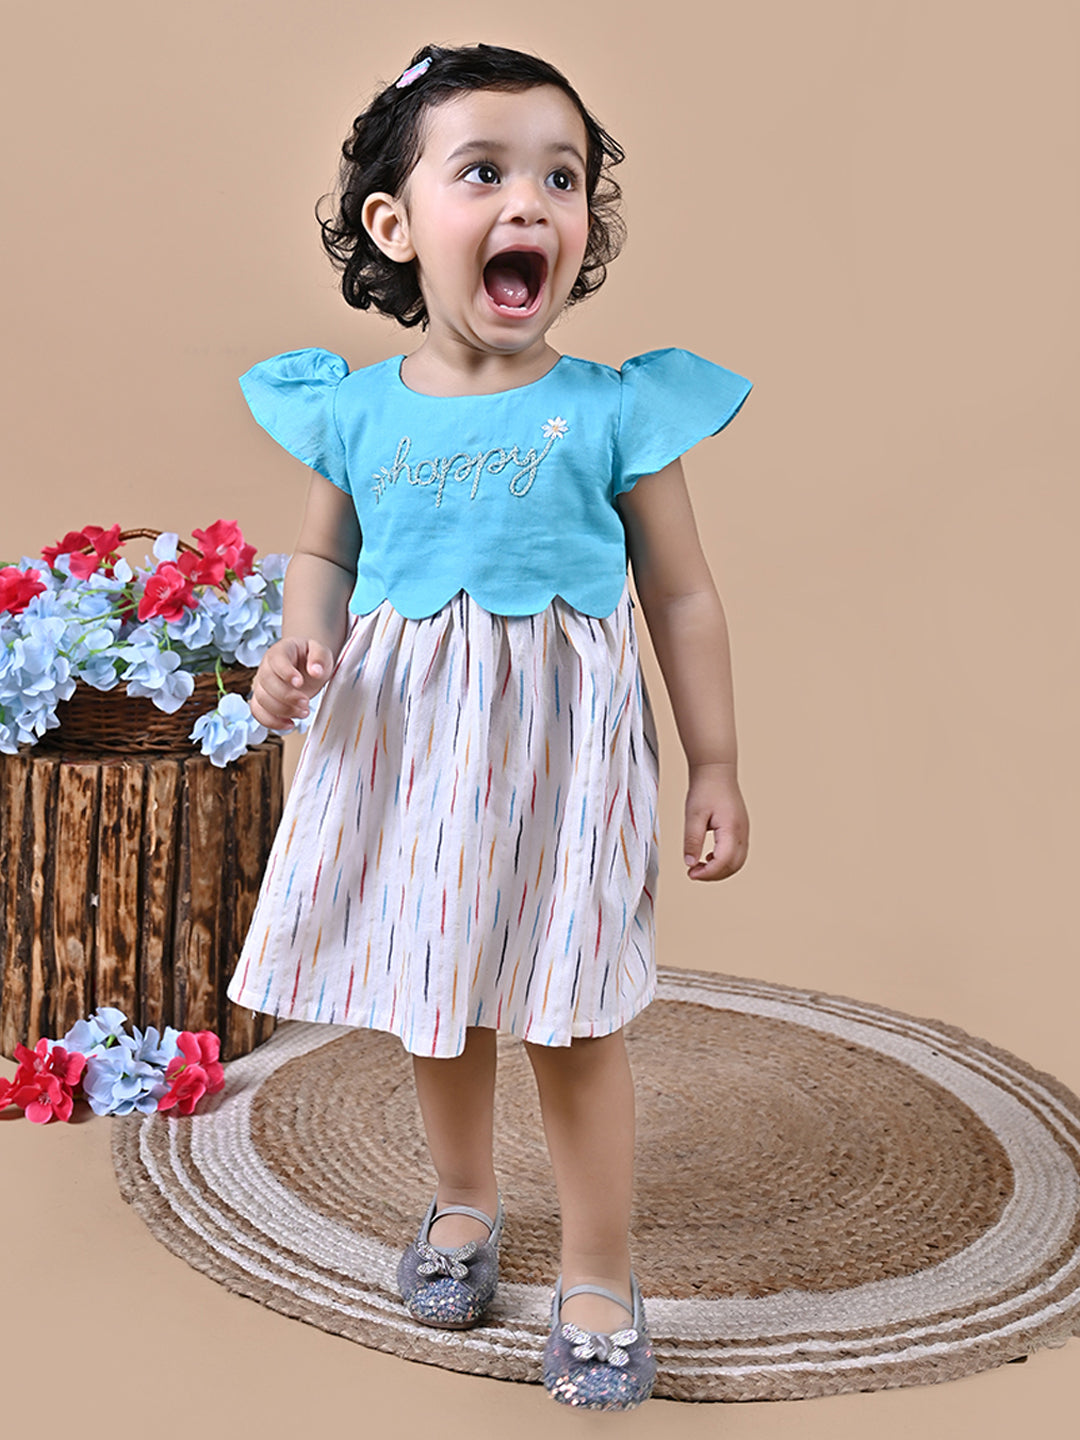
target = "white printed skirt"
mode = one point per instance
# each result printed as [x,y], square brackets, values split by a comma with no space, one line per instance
[471,836]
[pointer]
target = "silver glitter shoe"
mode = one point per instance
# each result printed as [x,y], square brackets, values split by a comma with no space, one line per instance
[597,1371]
[451,1287]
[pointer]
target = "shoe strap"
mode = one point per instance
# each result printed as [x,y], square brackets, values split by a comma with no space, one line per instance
[464,1210]
[596,1290]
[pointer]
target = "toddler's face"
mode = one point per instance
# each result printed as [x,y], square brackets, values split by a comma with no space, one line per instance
[497,216]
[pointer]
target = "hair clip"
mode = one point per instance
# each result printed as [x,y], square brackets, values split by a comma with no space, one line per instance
[413,73]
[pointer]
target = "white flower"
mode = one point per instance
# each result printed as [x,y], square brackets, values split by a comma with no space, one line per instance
[167,545]
[555,429]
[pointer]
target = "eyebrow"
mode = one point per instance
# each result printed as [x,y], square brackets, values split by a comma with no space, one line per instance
[493,147]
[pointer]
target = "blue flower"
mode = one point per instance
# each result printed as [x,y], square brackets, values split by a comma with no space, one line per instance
[241,616]
[34,678]
[84,629]
[225,733]
[89,1036]
[196,630]
[93,656]
[117,1081]
[109,584]
[122,1073]
[273,567]
[254,645]
[154,1048]
[156,674]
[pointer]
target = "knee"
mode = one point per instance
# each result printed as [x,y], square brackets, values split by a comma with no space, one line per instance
[583,1053]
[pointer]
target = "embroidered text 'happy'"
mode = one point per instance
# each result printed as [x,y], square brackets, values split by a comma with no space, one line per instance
[462,465]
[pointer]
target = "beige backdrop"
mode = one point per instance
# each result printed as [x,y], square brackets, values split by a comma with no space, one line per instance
[867,207]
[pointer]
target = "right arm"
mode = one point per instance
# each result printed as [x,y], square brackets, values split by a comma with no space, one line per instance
[315,618]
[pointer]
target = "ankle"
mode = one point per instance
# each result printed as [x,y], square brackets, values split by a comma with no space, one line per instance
[598,1312]
[615,1279]
[449,1231]
[592,1311]
[610,1268]
[483,1196]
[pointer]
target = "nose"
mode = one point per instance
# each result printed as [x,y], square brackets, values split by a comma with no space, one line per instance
[524,201]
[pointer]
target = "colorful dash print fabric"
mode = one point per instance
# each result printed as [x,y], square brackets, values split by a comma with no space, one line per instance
[471,836]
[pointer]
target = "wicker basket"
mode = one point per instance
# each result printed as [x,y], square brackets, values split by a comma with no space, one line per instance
[112,722]
[96,722]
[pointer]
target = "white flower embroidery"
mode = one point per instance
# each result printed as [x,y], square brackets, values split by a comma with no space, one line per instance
[555,429]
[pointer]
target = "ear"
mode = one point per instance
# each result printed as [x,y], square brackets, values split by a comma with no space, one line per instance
[386,221]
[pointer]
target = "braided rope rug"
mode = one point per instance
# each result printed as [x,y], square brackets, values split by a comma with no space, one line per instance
[829,1195]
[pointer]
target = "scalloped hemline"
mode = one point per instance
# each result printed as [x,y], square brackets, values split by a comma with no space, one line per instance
[403,606]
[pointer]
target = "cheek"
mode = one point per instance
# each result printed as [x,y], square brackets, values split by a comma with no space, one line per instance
[445,237]
[457,239]
[576,234]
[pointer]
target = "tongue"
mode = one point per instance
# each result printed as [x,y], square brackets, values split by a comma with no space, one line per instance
[506,286]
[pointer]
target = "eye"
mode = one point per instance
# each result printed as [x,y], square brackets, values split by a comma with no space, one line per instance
[563,179]
[485,174]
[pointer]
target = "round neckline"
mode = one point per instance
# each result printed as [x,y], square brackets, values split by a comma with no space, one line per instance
[399,360]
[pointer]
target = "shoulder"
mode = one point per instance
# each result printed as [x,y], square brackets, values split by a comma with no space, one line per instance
[309,365]
[651,371]
[680,378]
[668,366]
[667,358]
[317,367]
[382,378]
[588,372]
[669,400]
[293,396]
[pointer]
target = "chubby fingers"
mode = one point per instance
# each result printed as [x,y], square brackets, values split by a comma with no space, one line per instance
[726,856]
[318,662]
[270,715]
[278,699]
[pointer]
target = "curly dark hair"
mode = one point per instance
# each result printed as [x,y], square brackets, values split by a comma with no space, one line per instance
[384,145]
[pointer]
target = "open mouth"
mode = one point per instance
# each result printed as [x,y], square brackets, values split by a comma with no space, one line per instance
[514,280]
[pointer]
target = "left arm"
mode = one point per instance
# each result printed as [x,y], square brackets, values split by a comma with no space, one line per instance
[689,633]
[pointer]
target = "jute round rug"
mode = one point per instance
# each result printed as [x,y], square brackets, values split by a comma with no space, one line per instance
[829,1195]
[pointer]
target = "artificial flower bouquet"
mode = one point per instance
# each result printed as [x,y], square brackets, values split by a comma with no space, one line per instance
[117,1073]
[83,613]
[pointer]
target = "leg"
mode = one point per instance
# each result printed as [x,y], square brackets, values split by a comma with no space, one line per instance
[457,1101]
[587,1103]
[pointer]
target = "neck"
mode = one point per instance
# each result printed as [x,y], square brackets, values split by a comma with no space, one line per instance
[449,366]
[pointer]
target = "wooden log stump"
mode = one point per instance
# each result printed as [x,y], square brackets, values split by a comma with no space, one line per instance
[131,881]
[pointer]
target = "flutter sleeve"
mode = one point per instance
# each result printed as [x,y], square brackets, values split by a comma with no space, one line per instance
[670,399]
[293,397]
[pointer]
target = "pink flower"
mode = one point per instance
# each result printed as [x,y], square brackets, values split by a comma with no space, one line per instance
[49,1059]
[44,1098]
[202,569]
[72,541]
[102,543]
[18,588]
[42,1085]
[223,538]
[168,592]
[195,1072]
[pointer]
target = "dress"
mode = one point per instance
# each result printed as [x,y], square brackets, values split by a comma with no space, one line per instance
[471,836]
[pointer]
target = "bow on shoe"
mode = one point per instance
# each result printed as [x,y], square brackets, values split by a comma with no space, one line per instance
[453,1263]
[589,1345]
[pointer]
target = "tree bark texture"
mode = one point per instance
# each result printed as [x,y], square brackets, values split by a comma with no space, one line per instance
[131,881]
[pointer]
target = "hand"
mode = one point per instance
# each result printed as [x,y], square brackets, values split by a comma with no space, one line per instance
[289,674]
[714,802]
